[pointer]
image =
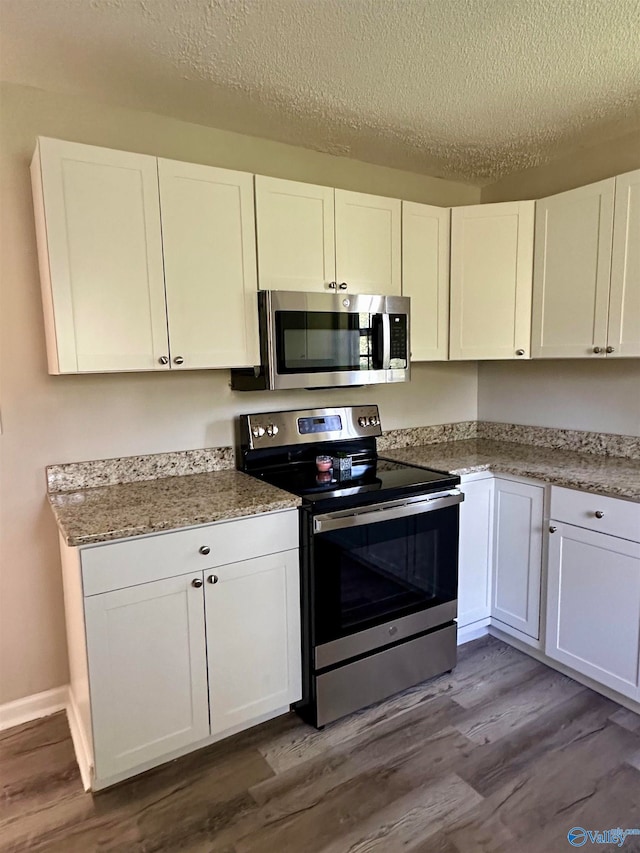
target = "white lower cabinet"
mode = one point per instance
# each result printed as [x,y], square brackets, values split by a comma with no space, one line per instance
[474,569]
[593,606]
[253,638]
[148,672]
[181,659]
[517,557]
[589,576]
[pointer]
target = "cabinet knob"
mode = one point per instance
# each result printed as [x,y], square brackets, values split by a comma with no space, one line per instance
[343,286]
[598,513]
[552,528]
[332,285]
[164,359]
[519,352]
[611,349]
[213,578]
[178,360]
[196,582]
[597,350]
[204,549]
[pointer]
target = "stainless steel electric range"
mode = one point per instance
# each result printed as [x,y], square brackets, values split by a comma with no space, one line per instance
[378,555]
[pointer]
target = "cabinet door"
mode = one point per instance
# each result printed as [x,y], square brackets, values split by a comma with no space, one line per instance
[517,564]
[425,278]
[571,272]
[99,243]
[474,571]
[593,606]
[148,672]
[253,639]
[368,235]
[295,228]
[624,300]
[208,236]
[491,280]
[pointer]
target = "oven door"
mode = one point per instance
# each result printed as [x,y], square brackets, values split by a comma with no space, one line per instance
[320,340]
[383,573]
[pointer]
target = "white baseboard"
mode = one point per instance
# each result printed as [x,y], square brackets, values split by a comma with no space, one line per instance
[473,631]
[80,745]
[32,707]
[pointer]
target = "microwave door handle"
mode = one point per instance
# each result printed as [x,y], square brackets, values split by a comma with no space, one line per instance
[386,342]
[381,332]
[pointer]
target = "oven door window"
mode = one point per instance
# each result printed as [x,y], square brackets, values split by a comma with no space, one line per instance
[321,341]
[365,576]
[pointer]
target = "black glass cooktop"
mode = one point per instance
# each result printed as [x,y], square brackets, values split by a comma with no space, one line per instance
[373,474]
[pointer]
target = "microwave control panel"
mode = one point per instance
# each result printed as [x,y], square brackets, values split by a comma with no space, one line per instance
[399,341]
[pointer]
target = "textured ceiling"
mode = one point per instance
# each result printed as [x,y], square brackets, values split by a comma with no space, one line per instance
[464,89]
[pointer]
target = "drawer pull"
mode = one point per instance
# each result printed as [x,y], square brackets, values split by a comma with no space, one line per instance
[598,513]
[213,578]
[196,582]
[552,528]
[204,550]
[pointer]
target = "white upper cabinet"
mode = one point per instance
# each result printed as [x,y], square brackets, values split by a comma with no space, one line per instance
[314,238]
[425,278]
[210,265]
[100,252]
[368,243]
[571,272]
[296,235]
[623,337]
[491,280]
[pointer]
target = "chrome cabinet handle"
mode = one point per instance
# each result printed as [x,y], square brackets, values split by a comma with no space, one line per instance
[519,352]
[611,349]
[597,350]
[213,578]
[343,286]
[196,582]
[552,528]
[164,359]
[178,360]
[598,513]
[204,549]
[332,285]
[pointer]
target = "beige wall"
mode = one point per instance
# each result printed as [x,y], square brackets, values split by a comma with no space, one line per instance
[600,395]
[584,166]
[50,419]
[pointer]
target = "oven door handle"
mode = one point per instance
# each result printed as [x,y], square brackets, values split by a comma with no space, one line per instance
[385,511]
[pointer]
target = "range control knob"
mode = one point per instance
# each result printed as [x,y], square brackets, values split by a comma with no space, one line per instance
[363,422]
[374,420]
[272,430]
[257,431]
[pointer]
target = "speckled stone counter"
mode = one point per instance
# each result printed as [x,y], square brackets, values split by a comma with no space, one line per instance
[604,475]
[102,513]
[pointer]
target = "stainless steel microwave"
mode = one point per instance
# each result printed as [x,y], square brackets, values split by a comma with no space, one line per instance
[320,340]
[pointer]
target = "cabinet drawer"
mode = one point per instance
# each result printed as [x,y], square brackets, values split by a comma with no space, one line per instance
[619,517]
[149,558]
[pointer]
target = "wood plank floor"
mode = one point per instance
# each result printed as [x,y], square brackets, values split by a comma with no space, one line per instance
[501,755]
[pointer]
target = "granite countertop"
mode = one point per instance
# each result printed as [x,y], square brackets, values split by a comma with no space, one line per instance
[604,475]
[102,513]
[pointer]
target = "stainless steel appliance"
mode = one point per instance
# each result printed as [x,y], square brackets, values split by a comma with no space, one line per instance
[378,556]
[319,340]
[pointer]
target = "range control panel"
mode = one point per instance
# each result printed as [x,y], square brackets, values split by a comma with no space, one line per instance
[275,429]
